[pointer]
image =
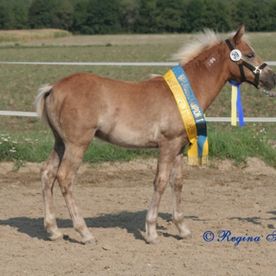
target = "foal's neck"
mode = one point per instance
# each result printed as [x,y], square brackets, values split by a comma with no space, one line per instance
[208,73]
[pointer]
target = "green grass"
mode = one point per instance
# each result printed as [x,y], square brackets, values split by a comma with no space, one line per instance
[19,84]
[35,147]
[238,144]
[226,142]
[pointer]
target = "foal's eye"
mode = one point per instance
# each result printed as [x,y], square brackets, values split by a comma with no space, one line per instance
[250,55]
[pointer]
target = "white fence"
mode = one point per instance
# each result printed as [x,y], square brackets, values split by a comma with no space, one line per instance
[152,64]
[209,119]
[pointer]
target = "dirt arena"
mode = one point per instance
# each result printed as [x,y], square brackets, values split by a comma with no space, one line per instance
[114,197]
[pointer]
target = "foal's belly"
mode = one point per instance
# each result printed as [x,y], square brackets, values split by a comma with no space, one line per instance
[130,137]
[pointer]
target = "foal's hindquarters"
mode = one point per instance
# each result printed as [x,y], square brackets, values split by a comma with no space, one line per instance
[82,106]
[62,166]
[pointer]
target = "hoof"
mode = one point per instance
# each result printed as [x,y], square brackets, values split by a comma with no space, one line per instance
[89,240]
[56,236]
[183,230]
[185,234]
[152,240]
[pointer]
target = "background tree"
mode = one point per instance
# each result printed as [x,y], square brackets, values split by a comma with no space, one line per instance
[40,14]
[138,16]
[62,14]
[128,14]
[259,15]
[217,15]
[20,15]
[14,14]
[5,16]
[51,14]
[169,15]
[80,17]
[103,16]
[195,15]
[146,19]
[272,16]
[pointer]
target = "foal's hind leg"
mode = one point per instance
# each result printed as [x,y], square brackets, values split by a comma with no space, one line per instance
[48,177]
[168,152]
[66,174]
[176,181]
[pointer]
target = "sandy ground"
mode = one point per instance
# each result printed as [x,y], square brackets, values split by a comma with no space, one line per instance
[113,198]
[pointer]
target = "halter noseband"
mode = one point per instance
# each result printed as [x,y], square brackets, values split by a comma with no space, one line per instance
[256,70]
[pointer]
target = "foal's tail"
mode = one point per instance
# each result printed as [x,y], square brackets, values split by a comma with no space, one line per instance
[43,92]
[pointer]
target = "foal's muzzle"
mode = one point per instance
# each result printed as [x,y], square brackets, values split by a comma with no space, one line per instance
[268,79]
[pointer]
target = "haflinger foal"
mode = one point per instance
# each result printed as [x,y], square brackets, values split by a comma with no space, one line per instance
[141,115]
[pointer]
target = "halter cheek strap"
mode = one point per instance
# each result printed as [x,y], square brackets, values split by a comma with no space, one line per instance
[242,63]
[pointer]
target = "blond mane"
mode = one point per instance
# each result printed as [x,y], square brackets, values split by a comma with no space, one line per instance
[203,41]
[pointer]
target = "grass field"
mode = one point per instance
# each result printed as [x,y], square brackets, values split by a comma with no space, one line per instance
[19,36]
[29,140]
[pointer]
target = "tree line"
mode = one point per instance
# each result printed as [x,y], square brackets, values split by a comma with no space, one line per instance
[138,16]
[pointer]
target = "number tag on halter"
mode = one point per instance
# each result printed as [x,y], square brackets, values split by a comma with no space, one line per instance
[235,55]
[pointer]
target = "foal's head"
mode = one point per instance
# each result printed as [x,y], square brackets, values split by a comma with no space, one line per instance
[239,60]
[245,65]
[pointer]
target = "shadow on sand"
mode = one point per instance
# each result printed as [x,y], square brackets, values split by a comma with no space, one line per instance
[133,222]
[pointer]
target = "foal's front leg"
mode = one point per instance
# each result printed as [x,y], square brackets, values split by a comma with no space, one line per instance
[176,181]
[168,151]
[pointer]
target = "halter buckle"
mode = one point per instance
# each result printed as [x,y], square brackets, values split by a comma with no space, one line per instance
[257,70]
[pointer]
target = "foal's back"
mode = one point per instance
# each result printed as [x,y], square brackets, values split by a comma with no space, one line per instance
[124,113]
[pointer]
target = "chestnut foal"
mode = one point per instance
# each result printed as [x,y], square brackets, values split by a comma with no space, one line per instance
[143,114]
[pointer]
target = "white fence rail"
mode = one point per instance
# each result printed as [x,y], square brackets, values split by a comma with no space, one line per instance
[18,113]
[153,64]
[209,119]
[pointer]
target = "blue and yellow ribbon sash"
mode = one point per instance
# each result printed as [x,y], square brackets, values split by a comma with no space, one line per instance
[191,114]
[236,105]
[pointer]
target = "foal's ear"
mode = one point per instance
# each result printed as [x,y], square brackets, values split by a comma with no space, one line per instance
[238,36]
